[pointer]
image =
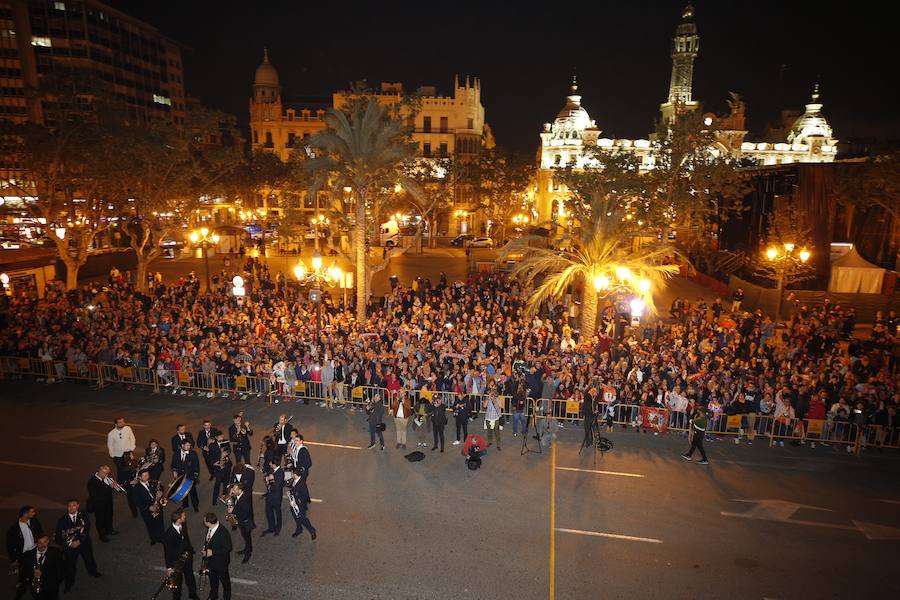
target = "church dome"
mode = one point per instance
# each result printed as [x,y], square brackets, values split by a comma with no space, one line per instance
[266,73]
[573,117]
[811,123]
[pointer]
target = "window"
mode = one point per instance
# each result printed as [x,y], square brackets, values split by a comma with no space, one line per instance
[42,41]
[471,123]
[426,149]
[162,100]
[269,143]
[255,137]
[443,149]
[59,5]
[444,125]
[426,125]
[291,140]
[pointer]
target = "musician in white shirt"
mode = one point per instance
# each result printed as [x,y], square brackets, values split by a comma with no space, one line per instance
[119,441]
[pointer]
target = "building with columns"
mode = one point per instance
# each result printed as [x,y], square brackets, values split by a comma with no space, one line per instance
[563,142]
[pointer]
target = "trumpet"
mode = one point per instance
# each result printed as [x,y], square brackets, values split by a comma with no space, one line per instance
[203,571]
[114,485]
[171,580]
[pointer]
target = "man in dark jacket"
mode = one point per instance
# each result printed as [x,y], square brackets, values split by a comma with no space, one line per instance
[300,504]
[22,537]
[185,462]
[45,562]
[375,417]
[274,496]
[179,553]
[100,502]
[438,422]
[145,498]
[244,513]
[73,535]
[218,556]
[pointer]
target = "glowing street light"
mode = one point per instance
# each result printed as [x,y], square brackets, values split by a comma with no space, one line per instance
[773,255]
[202,239]
[318,278]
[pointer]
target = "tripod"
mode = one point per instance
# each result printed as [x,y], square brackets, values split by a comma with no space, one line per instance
[597,441]
[529,422]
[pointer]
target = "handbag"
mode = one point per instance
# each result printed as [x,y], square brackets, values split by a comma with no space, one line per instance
[380,427]
[501,421]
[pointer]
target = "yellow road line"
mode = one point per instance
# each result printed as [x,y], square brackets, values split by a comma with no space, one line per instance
[307,443]
[553,521]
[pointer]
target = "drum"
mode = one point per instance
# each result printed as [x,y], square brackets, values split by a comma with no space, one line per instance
[179,489]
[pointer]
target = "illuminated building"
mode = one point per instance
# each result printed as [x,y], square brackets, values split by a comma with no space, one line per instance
[809,140]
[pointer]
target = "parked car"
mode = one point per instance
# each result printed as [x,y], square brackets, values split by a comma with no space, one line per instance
[461,239]
[480,242]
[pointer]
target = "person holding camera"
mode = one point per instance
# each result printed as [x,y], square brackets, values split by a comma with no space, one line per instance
[493,413]
[375,418]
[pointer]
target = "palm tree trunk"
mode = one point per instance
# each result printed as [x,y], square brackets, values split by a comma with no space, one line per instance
[360,251]
[588,313]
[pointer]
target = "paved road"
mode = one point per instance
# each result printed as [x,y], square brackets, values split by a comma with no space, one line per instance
[648,525]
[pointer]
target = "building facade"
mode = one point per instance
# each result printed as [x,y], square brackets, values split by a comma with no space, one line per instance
[563,142]
[141,66]
[445,126]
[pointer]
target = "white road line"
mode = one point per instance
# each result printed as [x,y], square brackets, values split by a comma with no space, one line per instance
[599,472]
[13,463]
[614,536]
[888,501]
[109,422]
[54,441]
[233,579]
[315,500]
[332,445]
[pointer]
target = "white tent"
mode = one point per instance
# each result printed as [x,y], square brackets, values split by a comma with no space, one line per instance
[851,273]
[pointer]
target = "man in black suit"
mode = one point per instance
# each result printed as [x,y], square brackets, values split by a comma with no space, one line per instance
[22,537]
[177,544]
[145,498]
[300,504]
[185,462]
[100,502]
[245,475]
[44,561]
[181,434]
[282,436]
[73,535]
[302,459]
[205,441]
[274,496]
[239,435]
[244,513]
[220,455]
[218,557]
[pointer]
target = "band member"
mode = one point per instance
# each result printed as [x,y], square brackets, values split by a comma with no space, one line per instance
[45,564]
[146,493]
[218,556]
[239,433]
[243,510]
[245,475]
[181,434]
[22,537]
[185,462]
[274,496]
[300,504]
[120,440]
[302,459]
[205,440]
[177,542]
[73,535]
[282,435]
[268,453]
[220,454]
[155,458]
[100,501]
[126,477]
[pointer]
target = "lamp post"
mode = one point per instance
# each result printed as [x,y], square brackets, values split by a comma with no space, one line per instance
[781,258]
[203,239]
[619,279]
[317,278]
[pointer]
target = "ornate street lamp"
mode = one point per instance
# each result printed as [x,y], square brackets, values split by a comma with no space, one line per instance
[318,278]
[203,239]
[781,258]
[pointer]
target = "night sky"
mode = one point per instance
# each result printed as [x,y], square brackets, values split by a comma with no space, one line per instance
[769,52]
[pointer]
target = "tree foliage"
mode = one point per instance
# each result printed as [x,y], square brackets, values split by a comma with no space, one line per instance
[500,180]
[788,227]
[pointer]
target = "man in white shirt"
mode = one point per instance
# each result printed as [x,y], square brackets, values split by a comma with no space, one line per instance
[119,441]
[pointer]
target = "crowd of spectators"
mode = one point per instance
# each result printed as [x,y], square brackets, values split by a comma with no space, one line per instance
[472,338]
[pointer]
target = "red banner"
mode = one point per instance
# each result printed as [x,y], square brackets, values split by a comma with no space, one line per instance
[654,419]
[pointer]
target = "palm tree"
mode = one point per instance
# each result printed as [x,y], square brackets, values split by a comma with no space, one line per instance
[600,250]
[362,149]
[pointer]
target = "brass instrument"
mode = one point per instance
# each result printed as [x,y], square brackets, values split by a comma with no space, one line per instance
[36,583]
[160,500]
[226,456]
[245,425]
[72,534]
[228,500]
[277,425]
[203,571]
[171,580]
[295,508]
[114,485]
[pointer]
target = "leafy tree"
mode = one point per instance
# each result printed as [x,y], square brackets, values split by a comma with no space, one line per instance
[427,186]
[501,182]
[873,184]
[164,168]
[788,235]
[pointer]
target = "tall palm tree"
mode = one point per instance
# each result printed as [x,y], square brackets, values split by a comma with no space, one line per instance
[599,251]
[362,148]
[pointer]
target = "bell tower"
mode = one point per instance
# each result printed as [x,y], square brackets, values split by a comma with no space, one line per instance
[685,47]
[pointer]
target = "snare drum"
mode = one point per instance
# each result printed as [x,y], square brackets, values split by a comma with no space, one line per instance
[179,489]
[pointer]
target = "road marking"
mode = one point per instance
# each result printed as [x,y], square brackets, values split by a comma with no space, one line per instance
[13,463]
[615,536]
[233,579]
[54,441]
[314,500]
[305,443]
[781,511]
[599,472]
[552,521]
[888,501]
[109,422]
